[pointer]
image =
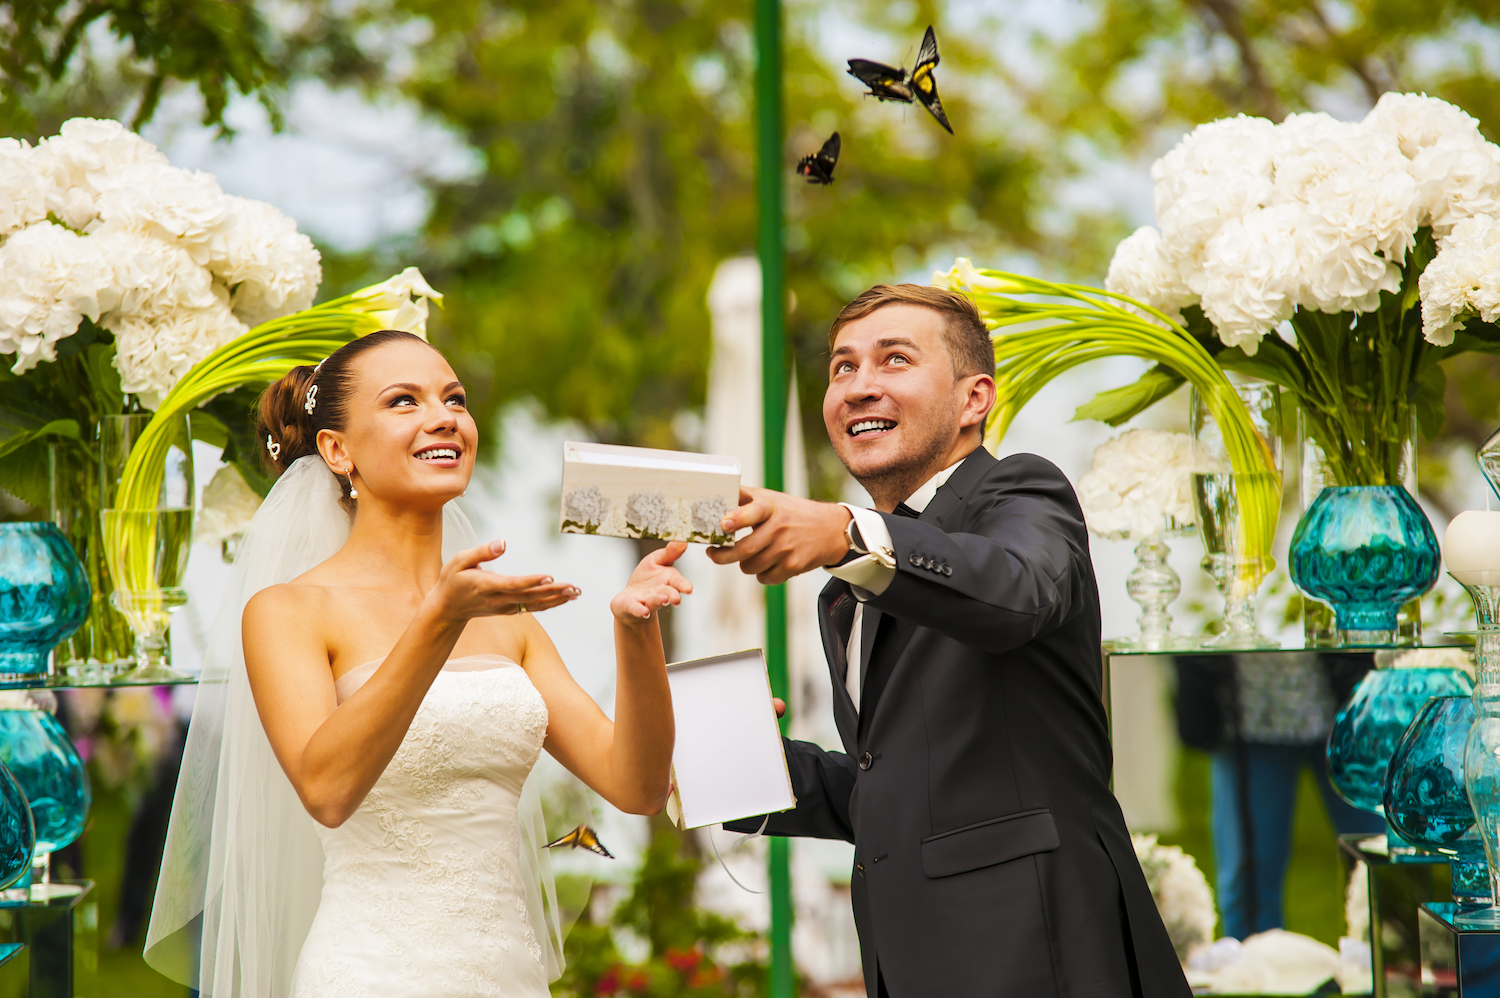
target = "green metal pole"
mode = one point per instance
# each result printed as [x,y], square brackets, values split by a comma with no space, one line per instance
[773,427]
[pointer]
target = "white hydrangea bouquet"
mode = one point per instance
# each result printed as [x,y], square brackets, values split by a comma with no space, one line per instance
[124,279]
[1183,898]
[1139,485]
[1140,488]
[1339,260]
[95,224]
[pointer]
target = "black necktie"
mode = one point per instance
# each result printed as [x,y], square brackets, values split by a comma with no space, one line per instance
[904,510]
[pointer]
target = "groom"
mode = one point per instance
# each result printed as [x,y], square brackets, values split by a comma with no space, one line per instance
[962,635]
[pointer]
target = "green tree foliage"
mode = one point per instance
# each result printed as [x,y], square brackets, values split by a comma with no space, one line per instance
[220,46]
[1144,64]
[617,142]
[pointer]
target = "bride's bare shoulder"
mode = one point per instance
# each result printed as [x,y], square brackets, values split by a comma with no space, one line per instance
[289,602]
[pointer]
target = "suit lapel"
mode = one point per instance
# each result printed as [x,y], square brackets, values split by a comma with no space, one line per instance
[879,663]
[950,495]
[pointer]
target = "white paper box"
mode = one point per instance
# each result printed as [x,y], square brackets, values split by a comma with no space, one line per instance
[639,492]
[728,762]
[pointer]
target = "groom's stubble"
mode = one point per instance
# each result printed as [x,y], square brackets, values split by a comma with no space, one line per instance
[924,446]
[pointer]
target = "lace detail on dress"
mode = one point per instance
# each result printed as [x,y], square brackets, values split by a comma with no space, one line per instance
[422,892]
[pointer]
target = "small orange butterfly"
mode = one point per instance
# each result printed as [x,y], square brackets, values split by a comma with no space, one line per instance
[582,837]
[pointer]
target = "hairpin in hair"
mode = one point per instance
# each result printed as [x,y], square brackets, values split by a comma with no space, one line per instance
[311,401]
[320,366]
[273,447]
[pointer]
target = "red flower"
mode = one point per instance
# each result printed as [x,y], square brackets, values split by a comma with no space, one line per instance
[682,960]
[608,982]
[639,982]
[709,973]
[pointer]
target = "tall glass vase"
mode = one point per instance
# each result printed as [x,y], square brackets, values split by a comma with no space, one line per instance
[100,646]
[1371,544]
[1226,524]
[146,550]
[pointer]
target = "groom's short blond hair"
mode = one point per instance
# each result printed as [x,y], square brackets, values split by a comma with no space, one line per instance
[964,334]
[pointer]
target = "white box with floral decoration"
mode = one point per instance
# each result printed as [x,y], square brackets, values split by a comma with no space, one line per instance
[640,492]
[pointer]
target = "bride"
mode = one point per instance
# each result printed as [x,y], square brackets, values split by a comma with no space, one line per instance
[353,816]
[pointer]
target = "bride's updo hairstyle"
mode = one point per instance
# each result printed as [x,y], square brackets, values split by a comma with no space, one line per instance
[285,427]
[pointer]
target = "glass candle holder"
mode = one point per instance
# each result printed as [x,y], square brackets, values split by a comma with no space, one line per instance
[1154,584]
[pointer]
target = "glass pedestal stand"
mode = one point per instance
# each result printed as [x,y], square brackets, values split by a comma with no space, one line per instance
[39,885]
[59,934]
[1154,584]
[150,617]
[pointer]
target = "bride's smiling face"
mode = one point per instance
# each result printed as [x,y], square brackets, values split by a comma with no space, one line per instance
[407,433]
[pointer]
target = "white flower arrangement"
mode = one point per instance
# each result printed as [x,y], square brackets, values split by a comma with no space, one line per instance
[1257,219]
[228,506]
[1463,279]
[1138,481]
[94,222]
[1182,894]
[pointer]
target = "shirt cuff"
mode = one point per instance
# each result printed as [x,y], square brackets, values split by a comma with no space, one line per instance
[876,568]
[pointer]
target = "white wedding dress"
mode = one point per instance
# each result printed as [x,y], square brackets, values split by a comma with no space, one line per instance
[423,894]
[438,886]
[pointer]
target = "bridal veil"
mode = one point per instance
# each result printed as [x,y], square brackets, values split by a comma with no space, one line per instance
[242,873]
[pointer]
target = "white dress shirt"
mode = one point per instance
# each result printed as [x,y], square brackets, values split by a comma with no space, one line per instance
[870,574]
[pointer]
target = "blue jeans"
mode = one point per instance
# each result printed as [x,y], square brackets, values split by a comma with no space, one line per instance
[1273,772]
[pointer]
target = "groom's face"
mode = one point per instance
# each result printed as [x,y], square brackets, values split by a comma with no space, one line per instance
[893,403]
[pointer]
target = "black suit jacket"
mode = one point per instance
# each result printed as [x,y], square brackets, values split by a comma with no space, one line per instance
[990,856]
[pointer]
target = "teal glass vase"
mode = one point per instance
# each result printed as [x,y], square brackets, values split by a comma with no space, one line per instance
[1482,780]
[44,597]
[1365,550]
[1425,800]
[1368,728]
[41,756]
[17,832]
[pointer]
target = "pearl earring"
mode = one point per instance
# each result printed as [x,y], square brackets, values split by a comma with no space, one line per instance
[349,474]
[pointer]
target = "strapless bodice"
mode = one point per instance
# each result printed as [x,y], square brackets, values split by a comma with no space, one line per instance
[423,893]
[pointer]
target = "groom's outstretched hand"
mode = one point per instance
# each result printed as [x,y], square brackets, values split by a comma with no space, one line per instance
[788,535]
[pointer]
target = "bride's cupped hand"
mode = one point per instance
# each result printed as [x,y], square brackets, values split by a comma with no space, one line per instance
[465,590]
[653,585]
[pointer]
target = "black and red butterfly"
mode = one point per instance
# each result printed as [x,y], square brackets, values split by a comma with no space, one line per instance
[889,84]
[818,168]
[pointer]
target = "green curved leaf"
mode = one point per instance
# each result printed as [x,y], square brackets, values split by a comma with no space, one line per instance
[1119,405]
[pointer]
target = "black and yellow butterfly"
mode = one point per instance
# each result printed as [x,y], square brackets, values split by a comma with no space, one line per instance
[885,82]
[818,168]
[582,837]
[889,84]
[924,84]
